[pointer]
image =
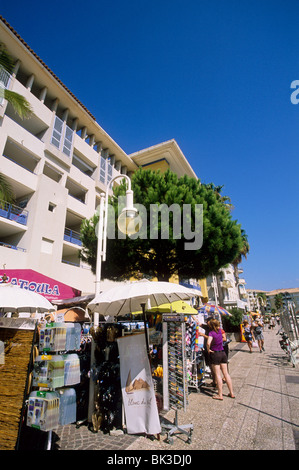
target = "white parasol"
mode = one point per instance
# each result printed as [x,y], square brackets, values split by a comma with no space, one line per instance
[129,296]
[16,299]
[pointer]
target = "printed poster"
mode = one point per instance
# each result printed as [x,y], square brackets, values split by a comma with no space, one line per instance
[137,386]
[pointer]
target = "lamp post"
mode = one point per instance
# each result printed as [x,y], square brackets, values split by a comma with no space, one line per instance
[129,222]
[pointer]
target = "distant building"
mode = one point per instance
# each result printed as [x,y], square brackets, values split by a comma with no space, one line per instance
[288,295]
[228,289]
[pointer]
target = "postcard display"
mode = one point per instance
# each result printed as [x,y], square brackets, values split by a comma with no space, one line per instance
[55,369]
[175,380]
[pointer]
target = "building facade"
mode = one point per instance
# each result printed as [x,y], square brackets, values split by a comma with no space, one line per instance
[227,288]
[287,295]
[58,162]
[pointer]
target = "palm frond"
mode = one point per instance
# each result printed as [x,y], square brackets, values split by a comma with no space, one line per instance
[6,60]
[6,191]
[19,103]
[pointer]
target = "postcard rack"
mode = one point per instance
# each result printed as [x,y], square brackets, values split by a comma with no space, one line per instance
[175,384]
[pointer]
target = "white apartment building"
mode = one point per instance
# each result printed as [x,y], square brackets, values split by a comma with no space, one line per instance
[58,162]
[228,289]
[288,295]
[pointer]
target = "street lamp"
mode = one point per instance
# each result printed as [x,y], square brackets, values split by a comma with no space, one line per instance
[129,222]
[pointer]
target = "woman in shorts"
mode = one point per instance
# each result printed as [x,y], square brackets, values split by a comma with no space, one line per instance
[248,335]
[258,333]
[218,359]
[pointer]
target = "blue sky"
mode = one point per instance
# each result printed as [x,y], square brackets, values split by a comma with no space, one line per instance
[213,75]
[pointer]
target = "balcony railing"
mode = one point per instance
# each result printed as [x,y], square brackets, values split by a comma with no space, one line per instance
[72,237]
[14,213]
[4,77]
[13,247]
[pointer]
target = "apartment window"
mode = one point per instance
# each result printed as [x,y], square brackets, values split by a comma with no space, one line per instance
[106,170]
[62,136]
[4,80]
[51,207]
[47,246]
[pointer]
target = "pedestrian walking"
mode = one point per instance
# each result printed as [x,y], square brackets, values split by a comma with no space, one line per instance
[218,359]
[258,333]
[206,328]
[248,334]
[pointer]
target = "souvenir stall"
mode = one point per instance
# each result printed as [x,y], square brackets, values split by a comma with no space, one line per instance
[140,354]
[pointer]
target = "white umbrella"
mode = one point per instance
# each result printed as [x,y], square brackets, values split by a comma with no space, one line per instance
[128,297]
[14,298]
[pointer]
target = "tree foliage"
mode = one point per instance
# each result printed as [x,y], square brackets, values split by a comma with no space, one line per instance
[20,105]
[162,258]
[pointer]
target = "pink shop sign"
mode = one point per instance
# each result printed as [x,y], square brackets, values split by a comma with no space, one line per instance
[36,282]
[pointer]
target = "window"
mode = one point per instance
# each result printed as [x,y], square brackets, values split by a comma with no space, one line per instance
[47,246]
[51,207]
[62,136]
[106,170]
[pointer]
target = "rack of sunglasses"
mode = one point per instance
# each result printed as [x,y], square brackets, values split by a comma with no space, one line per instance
[175,384]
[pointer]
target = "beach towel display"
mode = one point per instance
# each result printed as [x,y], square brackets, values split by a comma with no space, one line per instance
[57,337]
[43,410]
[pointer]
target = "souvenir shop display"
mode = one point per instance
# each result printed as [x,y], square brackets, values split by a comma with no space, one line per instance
[55,369]
[175,384]
[106,376]
[60,337]
[194,353]
[43,410]
[82,388]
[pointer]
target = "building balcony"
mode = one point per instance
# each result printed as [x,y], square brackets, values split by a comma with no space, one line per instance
[72,237]
[227,284]
[13,213]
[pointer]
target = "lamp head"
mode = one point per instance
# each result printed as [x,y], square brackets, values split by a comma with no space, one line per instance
[129,221]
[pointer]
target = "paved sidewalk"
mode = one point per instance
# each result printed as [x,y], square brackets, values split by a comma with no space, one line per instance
[263,416]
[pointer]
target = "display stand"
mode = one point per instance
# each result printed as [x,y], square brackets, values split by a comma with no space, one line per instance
[175,384]
[53,371]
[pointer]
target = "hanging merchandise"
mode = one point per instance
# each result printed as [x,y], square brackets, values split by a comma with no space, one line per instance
[60,337]
[48,371]
[67,406]
[194,352]
[71,369]
[56,371]
[175,377]
[49,409]
[43,410]
[106,376]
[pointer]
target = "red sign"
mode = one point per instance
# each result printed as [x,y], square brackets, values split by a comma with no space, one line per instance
[36,282]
